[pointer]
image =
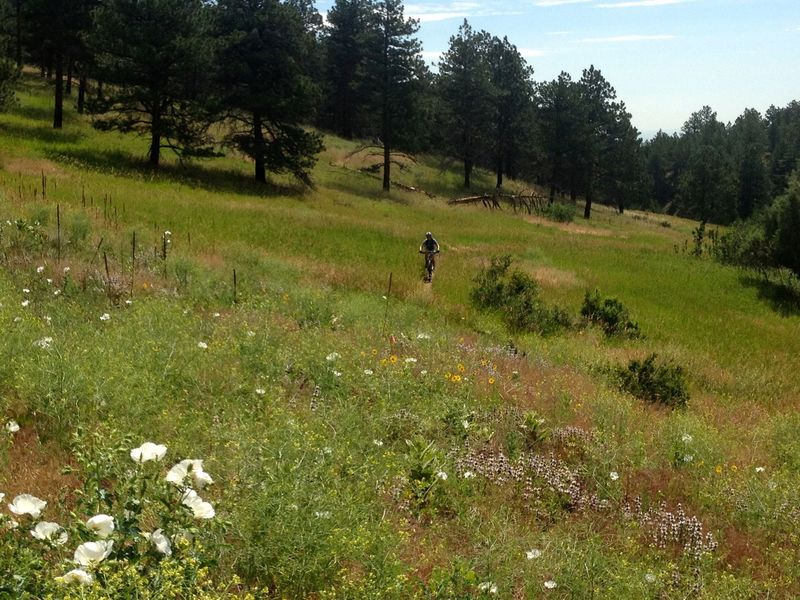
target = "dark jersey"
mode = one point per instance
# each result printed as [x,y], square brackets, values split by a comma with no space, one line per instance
[430,245]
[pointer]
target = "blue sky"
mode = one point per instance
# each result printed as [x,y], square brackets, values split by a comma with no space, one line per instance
[665,58]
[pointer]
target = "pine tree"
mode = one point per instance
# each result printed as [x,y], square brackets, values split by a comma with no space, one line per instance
[749,140]
[263,86]
[155,57]
[558,117]
[466,95]
[393,72]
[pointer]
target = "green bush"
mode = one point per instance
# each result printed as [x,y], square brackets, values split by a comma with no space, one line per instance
[516,296]
[610,314]
[660,383]
[560,212]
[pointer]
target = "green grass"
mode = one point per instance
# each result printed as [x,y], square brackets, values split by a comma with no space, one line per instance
[312,267]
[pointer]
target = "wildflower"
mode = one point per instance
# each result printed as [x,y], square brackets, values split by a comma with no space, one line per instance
[76,576]
[217,315]
[550,584]
[44,343]
[332,356]
[167,233]
[491,380]
[468,475]
[378,443]
[322,514]
[261,391]
[718,469]
[423,336]
[48,280]
[66,269]
[251,334]
[102,525]
[186,468]
[91,553]
[148,451]
[455,378]
[105,317]
[50,532]
[411,360]
[649,578]
[25,303]
[686,438]
[128,302]
[734,468]
[26,291]
[368,372]
[336,373]
[39,269]
[488,586]
[25,504]
[201,509]
[442,475]
[760,469]
[461,368]
[533,553]
[57,293]
[687,458]
[423,372]
[614,475]
[447,376]
[160,541]
[465,424]
[393,359]
[202,345]
[12,426]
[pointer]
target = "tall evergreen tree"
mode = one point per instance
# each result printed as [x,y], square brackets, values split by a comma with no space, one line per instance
[784,143]
[393,71]
[559,122]
[346,47]
[466,94]
[621,162]
[511,79]
[663,171]
[264,88]
[749,141]
[155,57]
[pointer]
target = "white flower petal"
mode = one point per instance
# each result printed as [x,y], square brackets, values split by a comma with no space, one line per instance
[48,531]
[76,576]
[25,504]
[91,553]
[102,525]
[148,451]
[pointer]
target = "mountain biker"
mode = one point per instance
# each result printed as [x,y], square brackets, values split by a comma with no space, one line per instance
[430,248]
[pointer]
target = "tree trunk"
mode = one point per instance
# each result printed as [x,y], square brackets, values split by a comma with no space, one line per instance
[81,93]
[552,193]
[387,153]
[155,142]
[587,211]
[68,88]
[467,172]
[258,139]
[58,112]
[18,34]
[99,89]
[499,172]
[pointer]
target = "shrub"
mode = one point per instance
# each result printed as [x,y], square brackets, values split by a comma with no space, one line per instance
[610,314]
[661,383]
[559,212]
[516,296]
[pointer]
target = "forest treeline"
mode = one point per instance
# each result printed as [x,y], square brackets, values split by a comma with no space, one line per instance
[275,73]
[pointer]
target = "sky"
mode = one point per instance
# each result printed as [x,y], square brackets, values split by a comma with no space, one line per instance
[665,58]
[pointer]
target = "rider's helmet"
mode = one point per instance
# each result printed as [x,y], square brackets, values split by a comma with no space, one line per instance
[429,235]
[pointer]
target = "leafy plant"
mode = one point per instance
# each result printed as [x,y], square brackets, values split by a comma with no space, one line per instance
[610,314]
[661,383]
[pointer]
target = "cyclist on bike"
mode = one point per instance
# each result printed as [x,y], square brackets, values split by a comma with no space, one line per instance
[430,248]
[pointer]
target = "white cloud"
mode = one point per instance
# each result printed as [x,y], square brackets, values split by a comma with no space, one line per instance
[639,3]
[441,12]
[531,52]
[560,2]
[625,38]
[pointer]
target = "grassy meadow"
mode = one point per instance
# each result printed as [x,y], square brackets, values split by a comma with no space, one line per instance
[368,441]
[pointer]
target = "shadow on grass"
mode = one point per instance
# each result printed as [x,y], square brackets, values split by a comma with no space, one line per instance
[41,133]
[192,174]
[35,113]
[782,297]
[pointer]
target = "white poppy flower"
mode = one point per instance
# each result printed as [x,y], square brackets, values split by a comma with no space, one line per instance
[66,269]
[76,576]
[189,467]
[442,475]
[148,451]
[202,345]
[50,532]
[687,458]
[25,504]
[686,438]
[468,475]
[649,578]
[26,291]
[105,317]
[217,315]
[488,586]
[336,373]
[378,443]
[614,475]
[368,372]
[423,336]
[44,343]
[333,356]
[261,391]
[12,427]
[423,372]
[128,302]
[322,514]
[760,469]
[201,509]
[39,269]
[167,233]
[91,553]
[25,303]
[48,280]
[102,525]
[57,293]
[410,360]
[251,334]
[533,553]
[160,541]
[465,424]
[550,584]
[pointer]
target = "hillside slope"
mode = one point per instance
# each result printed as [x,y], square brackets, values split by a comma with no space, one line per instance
[368,441]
